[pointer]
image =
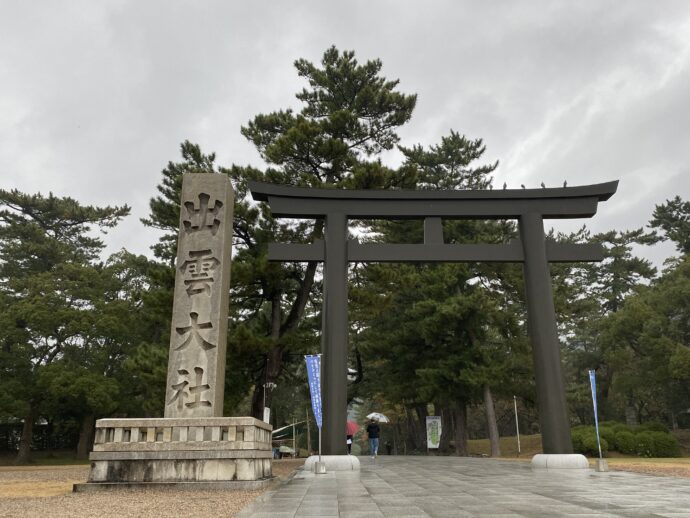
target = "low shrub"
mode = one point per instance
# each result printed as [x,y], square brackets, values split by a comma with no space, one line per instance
[618,427]
[576,437]
[644,444]
[625,442]
[621,427]
[654,426]
[585,441]
[665,445]
[590,446]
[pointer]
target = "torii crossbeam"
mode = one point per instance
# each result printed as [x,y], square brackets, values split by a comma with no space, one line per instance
[528,206]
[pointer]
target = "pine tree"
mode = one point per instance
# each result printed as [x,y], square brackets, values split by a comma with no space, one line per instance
[50,282]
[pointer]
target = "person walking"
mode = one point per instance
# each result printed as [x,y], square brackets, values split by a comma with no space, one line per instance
[373,432]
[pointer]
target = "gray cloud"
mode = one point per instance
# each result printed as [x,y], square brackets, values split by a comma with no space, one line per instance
[95,97]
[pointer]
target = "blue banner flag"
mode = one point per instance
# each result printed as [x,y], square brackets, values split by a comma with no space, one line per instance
[593,384]
[314,375]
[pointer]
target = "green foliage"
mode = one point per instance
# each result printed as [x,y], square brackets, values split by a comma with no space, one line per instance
[649,440]
[585,441]
[609,434]
[646,340]
[165,208]
[644,444]
[673,218]
[664,445]
[619,427]
[625,442]
[654,426]
[62,319]
[350,112]
[621,271]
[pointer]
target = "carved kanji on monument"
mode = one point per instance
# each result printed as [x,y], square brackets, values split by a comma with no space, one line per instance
[198,338]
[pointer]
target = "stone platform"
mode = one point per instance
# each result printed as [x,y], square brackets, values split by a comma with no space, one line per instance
[192,452]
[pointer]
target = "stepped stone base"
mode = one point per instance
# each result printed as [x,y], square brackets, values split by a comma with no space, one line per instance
[194,453]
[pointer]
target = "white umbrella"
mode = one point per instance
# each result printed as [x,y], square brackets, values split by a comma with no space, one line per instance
[376,416]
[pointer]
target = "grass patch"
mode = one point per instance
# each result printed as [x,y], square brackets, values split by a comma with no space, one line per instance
[530,445]
[46,458]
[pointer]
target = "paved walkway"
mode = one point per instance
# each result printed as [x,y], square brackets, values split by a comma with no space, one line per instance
[465,487]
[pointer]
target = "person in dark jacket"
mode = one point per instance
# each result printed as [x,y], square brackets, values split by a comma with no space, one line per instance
[373,432]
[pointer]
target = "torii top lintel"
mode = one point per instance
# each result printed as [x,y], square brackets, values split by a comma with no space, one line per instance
[563,202]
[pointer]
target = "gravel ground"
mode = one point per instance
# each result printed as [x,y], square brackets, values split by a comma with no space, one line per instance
[46,491]
[651,469]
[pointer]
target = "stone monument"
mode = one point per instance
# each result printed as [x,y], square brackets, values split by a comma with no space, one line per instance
[193,445]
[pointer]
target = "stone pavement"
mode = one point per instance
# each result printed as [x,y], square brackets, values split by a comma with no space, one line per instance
[464,487]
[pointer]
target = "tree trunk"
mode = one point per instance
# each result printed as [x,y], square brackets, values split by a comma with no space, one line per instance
[420,428]
[262,396]
[86,436]
[674,422]
[396,437]
[24,452]
[461,433]
[446,428]
[491,421]
[410,432]
[274,365]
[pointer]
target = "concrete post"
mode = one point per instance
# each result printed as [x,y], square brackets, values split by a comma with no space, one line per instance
[335,336]
[541,315]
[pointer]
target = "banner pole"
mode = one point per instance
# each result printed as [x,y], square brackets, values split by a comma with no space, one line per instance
[320,398]
[314,375]
[517,424]
[593,383]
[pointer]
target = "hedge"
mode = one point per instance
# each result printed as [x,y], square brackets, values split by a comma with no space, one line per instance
[648,440]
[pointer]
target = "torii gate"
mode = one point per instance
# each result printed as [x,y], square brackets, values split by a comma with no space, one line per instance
[529,206]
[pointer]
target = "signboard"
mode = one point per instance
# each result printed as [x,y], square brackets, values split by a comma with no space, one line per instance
[267,414]
[314,376]
[433,431]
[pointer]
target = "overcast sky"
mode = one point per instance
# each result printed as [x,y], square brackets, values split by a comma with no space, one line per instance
[96,96]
